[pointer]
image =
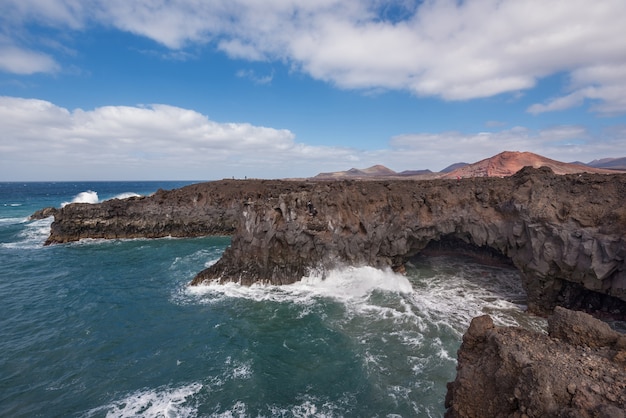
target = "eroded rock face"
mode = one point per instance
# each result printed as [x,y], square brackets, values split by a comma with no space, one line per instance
[557,230]
[578,370]
[566,234]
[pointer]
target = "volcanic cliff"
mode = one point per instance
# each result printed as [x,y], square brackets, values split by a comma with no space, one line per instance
[566,234]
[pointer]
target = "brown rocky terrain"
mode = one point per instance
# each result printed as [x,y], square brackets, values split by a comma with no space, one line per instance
[565,234]
[577,370]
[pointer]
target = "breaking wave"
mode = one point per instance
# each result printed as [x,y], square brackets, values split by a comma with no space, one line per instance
[92,197]
[153,403]
[33,234]
[83,197]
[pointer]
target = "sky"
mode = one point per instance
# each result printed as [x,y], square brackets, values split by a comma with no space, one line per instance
[211,89]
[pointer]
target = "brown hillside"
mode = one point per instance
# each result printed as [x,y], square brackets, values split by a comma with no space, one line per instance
[508,163]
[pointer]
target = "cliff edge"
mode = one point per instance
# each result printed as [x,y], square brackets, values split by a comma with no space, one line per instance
[565,233]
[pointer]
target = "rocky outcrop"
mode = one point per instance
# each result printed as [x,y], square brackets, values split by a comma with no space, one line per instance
[43,214]
[577,370]
[566,234]
[191,211]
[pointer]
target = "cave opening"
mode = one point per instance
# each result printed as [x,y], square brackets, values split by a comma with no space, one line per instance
[453,246]
[570,295]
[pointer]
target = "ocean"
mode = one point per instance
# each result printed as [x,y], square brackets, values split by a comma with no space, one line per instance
[111,328]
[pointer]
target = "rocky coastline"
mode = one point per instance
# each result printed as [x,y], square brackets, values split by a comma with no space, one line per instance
[566,235]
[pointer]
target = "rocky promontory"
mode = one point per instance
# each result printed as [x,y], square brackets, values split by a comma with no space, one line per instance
[565,233]
[577,370]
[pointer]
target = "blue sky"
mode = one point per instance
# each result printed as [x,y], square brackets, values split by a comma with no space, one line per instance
[191,89]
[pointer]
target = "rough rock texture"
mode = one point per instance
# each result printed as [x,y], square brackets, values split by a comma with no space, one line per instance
[578,370]
[566,234]
[192,211]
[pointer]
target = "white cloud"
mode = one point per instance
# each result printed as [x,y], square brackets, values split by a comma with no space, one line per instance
[43,141]
[254,77]
[23,61]
[40,140]
[445,48]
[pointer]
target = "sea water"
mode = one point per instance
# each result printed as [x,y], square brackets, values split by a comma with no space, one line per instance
[111,328]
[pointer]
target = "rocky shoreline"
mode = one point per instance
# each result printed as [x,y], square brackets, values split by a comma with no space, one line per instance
[577,370]
[566,234]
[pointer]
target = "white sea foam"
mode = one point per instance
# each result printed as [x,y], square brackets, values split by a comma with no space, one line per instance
[32,236]
[308,407]
[84,197]
[451,295]
[458,292]
[350,284]
[12,221]
[157,403]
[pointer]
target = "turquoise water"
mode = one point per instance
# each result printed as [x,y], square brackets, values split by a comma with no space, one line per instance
[110,328]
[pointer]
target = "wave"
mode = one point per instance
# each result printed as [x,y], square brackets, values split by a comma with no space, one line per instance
[13,221]
[421,316]
[448,293]
[92,197]
[349,284]
[32,236]
[84,197]
[451,292]
[161,402]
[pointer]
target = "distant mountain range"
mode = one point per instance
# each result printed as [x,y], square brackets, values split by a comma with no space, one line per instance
[609,163]
[504,164]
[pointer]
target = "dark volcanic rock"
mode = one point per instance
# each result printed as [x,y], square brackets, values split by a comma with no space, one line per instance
[43,213]
[578,370]
[566,234]
[558,230]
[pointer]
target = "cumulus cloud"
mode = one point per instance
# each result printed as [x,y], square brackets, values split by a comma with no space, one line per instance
[444,48]
[155,141]
[41,140]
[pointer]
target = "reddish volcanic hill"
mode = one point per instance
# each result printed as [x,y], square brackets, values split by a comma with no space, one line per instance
[508,163]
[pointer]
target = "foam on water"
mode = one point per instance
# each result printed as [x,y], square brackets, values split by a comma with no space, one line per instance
[12,221]
[33,235]
[422,315]
[347,285]
[451,292]
[84,197]
[158,403]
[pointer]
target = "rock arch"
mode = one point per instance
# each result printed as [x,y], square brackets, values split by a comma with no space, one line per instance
[545,224]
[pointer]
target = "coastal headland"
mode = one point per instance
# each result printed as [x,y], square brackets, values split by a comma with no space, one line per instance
[566,234]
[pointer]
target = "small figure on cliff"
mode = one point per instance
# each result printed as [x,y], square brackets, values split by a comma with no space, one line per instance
[312,210]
